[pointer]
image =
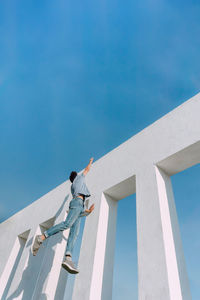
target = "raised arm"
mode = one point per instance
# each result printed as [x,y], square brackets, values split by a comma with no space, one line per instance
[87,169]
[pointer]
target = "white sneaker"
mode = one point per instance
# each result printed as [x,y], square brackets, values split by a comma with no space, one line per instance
[36,245]
[68,265]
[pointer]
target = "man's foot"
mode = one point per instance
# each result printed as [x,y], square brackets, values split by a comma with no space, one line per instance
[36,245]
[68,265]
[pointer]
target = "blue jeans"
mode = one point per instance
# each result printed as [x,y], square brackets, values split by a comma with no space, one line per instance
[76,210]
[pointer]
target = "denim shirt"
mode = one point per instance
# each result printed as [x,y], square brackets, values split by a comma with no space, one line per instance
[79,186]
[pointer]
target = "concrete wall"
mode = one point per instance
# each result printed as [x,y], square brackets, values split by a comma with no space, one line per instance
[143,164]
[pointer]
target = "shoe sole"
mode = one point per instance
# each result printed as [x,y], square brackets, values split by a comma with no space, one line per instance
[68,269]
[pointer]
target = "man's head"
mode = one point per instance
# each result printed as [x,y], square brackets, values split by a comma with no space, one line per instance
[72,176]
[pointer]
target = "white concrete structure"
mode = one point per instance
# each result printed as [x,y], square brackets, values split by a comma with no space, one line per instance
[142,165]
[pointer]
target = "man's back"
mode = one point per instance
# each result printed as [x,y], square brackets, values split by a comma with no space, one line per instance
[79,186]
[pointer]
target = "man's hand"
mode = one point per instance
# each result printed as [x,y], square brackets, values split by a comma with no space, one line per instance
[90,209]
[88,166]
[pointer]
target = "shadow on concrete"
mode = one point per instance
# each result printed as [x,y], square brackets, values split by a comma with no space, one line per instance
[37,270]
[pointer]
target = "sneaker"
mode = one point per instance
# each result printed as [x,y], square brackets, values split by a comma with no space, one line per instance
[68,265]
[36,245]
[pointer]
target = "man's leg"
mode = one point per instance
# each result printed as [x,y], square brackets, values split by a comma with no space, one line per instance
[67,263]
[71,218]
[74,231]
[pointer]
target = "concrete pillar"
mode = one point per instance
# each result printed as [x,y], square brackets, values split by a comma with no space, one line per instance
[17,259]
[20,277]
[40,277]
[52,278]
[161,267]
[176,267]
[97,252]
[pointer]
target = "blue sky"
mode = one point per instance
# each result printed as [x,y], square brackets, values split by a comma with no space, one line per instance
[79,78]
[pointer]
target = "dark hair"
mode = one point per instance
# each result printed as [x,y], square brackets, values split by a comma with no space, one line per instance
[72,176]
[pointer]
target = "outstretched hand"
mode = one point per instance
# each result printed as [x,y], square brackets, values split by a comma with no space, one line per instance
[88,166]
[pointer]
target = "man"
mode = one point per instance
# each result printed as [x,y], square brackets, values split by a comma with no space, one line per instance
[79,192]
